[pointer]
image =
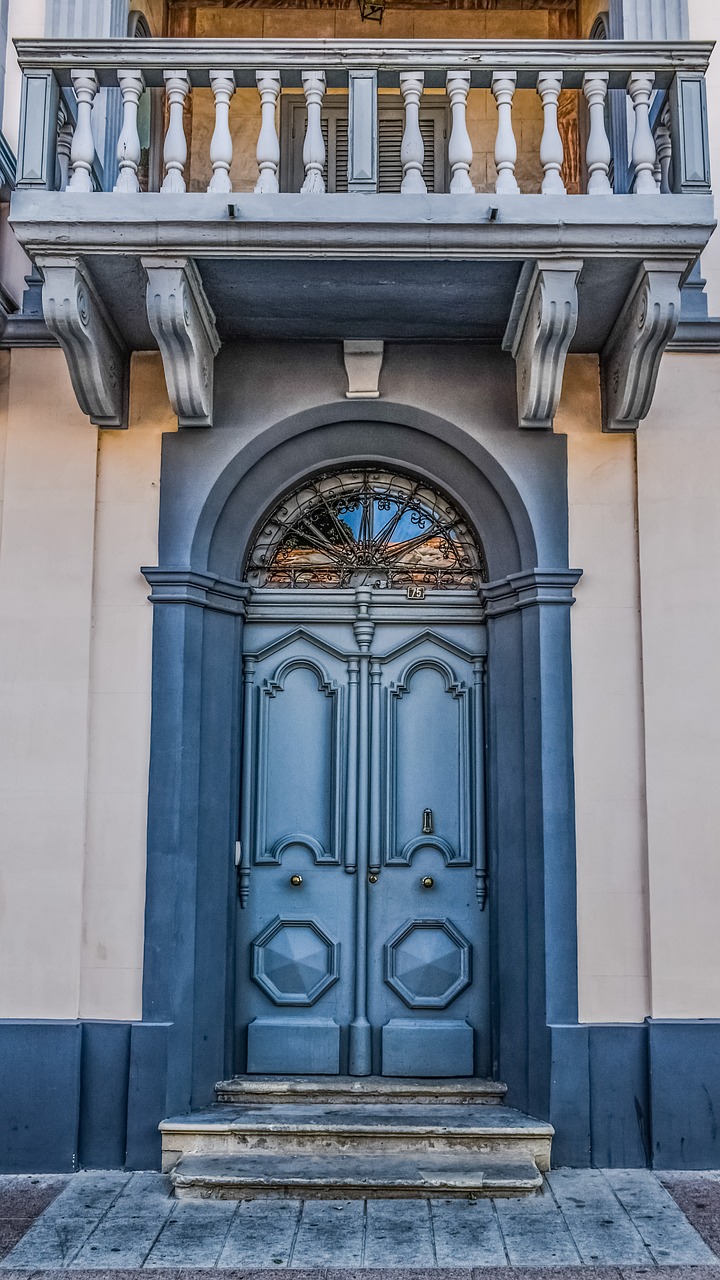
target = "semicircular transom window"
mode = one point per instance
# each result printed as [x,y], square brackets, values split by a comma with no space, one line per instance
[363,527]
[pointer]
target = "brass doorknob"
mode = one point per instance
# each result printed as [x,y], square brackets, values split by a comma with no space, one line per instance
[373,879]
[296,881]
[427,882]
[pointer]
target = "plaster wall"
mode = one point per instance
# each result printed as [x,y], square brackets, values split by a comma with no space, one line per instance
[46,566]
[705,25]
[607,708]
[79,517]
[126,522]
[679,521]
[25,18]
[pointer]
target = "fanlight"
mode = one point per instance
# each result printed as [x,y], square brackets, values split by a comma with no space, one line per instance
[366,528]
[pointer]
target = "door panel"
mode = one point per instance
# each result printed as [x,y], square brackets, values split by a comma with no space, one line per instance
[363,844]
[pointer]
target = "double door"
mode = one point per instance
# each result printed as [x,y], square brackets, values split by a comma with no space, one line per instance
[363,944]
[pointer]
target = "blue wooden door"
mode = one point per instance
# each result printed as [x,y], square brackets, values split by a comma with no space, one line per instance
[363,943]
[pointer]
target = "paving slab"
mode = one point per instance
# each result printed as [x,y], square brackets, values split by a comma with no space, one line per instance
[600,1227]
[534,1233]
[399,1237]
[262,1231]
[467,1233]
[698,1197]
[665,1231]
[331,1233]
[193,1235]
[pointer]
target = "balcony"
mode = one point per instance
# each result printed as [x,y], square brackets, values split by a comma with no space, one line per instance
[568,202]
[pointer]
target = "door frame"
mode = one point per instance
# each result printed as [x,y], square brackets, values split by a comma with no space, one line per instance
[188,996]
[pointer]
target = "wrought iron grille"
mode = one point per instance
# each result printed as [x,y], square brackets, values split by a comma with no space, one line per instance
[364,527]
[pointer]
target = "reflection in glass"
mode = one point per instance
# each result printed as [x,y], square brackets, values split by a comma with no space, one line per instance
[366,528]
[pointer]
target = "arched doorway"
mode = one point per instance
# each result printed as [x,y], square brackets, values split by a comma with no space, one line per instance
[364,940]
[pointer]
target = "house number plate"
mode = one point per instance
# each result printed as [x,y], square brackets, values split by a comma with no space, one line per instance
[416,593]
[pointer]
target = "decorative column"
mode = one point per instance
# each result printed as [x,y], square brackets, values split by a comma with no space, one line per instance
[549,87]
[644,156]
[64,146]
[598,155]
[222,84]
[460,151]
[503,88]
[268,144]
[314,146]
[412,151]
[243,855]
[177,85]
[360,1048]
[82,154]
[132,87]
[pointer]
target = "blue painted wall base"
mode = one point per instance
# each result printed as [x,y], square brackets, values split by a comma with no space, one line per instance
[81,1095]
[90,1095]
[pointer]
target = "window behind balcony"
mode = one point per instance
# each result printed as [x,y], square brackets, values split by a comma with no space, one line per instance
[391,115]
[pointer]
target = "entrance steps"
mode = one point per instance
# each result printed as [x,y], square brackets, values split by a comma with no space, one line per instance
[349,1138]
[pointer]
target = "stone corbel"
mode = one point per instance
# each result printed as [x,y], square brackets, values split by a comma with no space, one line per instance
[541,327]
[183,322]
[96,354]
[363,365]
[631,358]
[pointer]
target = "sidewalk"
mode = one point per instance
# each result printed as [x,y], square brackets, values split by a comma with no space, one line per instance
[589,1223]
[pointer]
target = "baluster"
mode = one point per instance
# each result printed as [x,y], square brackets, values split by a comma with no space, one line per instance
[412,151]
[460,152]
[82,153]
[64,146]
[222,84]
[552,153]
[503,87]
[313,83]
[640,88]
[268,144]
[132,87]
[663,143]
[177,85]
[598,154]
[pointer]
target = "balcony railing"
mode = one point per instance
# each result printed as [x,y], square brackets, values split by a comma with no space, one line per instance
[660,88]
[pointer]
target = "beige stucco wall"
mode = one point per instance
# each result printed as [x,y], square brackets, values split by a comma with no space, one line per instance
[79,517]
[705,25]
[679,522]
[607,708]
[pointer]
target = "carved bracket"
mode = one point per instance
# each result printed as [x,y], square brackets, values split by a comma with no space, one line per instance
[96,354]
[631,359]
[363,365]
[183,322]
[541,327]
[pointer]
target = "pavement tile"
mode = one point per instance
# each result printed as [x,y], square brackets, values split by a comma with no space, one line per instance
[699,1199]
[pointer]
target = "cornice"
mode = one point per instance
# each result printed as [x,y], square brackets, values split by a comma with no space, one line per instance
[528,590]
[204,590]
[699,336]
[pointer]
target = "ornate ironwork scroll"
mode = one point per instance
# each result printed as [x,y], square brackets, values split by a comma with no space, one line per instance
[370,528]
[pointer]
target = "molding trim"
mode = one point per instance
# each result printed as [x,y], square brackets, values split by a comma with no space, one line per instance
[96,354]
[632,354]
[701,336]
[541,327]
[185,586]
[363,365]
[526,590]
[183,323]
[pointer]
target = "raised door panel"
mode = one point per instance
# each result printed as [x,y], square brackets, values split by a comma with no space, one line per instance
[295,966]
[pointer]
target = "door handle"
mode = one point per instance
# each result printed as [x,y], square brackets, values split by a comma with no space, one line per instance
[296,881]
[427,825]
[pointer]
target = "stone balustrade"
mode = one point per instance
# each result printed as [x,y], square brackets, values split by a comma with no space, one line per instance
[641,110]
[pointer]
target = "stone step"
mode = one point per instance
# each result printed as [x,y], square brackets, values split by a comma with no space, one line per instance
[248,1090]
[377,1130]
[252,1176]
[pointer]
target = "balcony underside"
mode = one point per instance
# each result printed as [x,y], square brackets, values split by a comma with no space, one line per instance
[349,266]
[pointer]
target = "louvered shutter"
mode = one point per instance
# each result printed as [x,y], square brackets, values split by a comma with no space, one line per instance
[390,133]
